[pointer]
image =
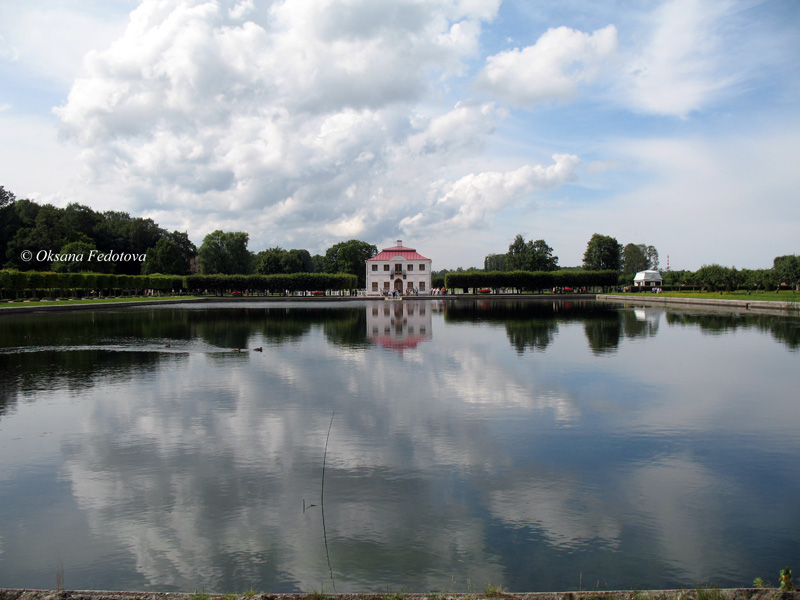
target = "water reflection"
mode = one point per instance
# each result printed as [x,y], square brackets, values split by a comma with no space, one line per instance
[785,329]
[522,444]
[399,325]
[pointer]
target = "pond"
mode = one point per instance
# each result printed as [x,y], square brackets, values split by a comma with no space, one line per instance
[420,445]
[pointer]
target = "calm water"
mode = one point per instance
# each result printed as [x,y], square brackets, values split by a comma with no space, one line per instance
[538,446]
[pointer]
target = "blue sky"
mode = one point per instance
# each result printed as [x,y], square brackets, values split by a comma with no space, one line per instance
[452,125]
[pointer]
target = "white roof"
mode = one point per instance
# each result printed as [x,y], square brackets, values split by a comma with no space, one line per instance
[650,275]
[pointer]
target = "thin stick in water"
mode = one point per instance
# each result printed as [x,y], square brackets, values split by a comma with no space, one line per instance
[322,502]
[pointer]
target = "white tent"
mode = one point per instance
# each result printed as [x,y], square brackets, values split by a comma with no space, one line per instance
[649,278]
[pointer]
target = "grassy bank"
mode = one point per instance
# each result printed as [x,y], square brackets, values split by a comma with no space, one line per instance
[83,301]
[782,296]
[699,593]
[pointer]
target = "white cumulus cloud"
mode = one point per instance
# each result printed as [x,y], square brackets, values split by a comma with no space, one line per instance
[475,198]
[309,115]
[551,69]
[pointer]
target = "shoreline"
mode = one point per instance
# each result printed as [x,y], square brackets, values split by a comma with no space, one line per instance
[698,593]
[771,306]
[30,307]
[759,306]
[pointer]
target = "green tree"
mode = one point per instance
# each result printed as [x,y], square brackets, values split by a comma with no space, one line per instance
[517,256]
[78,253]
[185,246]
[634,259]
[37,228]
[225,253]
[110,233]
[757,279]
[165,258]
[350,257]
[494,262]
[81,219]
[679,278]
[142,234]
[9,221]
[298,261]
[716,277]
[787,270]
[270,261]
[119,232]
[6,197]
[530,256]
[652,257]
[603,253]
[541,257]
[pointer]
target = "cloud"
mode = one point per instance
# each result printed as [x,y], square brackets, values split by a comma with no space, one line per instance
[673,60]
[308,117]
[49,42]
[7,51]
[551,69]
[715,190]
[680,67]
[473,199]
[556,505]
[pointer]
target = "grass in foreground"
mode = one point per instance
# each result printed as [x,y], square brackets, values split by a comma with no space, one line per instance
[7,304]
[782,296]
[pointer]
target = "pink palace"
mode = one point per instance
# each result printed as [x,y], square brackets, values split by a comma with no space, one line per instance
[398,268]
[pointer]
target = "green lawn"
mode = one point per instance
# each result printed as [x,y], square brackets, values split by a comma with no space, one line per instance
[782,296]
[6,304]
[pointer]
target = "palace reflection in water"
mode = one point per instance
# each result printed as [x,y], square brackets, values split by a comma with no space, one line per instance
[532,445]
[400,324]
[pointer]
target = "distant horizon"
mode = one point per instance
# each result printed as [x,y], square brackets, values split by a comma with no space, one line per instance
[452,125]
[664,261]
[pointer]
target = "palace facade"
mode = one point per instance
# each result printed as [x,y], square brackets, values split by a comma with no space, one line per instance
[400,269]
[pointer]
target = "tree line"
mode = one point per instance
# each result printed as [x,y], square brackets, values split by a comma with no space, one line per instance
[605,253]
[50,233]
[43,285]
[77,239]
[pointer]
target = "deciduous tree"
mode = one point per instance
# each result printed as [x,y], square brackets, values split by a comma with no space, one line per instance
[787,270]
[270,261]
[350,257]
[516,258]
[634,259]
[494,262]
[541,257]
[165,258]
[602,253]
[225,253]
[530,256]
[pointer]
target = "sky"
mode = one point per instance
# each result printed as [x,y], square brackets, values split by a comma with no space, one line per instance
[452,125]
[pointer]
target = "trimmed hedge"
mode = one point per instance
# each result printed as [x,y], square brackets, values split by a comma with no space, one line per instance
[531,281]
[38,284]
[265,284]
